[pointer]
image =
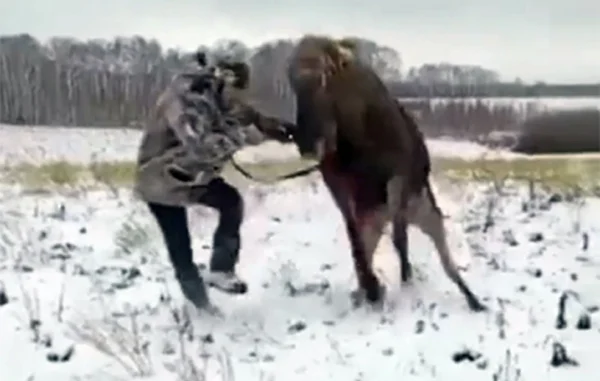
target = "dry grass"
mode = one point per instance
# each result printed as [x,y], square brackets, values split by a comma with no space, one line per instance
[561,172]
[122,343]
[118,173]
[62,173]
[556,172]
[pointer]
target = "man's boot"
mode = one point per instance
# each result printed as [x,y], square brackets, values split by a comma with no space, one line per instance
[222,274]
[226,281]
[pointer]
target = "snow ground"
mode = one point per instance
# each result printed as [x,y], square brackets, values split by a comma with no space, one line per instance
[36,144]
[83,265]
[95,260]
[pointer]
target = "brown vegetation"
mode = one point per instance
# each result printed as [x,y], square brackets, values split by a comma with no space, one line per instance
[569,131]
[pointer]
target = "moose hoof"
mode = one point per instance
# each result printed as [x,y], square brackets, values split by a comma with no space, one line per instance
[406,273]
[475,305]
[373,297]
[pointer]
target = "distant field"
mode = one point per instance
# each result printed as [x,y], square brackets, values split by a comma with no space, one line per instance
[557,103]
[39,144]
[558,173]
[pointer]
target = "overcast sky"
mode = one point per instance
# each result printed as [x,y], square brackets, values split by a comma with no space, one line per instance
[551,40]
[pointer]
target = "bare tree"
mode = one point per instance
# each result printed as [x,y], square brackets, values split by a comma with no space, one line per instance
[116,82]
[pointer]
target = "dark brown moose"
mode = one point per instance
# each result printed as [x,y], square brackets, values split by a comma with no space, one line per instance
[372,158]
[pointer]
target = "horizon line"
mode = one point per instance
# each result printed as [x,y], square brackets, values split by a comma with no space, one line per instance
[256,45]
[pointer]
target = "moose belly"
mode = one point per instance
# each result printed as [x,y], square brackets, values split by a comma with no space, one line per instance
[356,178]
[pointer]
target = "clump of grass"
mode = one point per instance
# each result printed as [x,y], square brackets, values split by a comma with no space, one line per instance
[133,236]
[113,172]
[123,343]
[63,174]
[57,173]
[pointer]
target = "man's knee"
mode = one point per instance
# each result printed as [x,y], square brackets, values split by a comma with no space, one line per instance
[233,205]
[232,196]
[169,218]
[226,199]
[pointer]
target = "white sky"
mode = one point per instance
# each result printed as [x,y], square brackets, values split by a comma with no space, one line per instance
[551,40]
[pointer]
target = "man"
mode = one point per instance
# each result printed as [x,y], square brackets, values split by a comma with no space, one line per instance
[198,124]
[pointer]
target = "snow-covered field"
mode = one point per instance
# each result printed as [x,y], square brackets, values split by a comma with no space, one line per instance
[36,144]
[87,274]
[90,294]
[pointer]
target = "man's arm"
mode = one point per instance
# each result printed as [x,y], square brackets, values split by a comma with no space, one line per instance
[244,116]
[272,128]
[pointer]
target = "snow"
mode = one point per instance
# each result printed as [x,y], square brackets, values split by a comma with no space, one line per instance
[36,144]
[95,258]
[87,266]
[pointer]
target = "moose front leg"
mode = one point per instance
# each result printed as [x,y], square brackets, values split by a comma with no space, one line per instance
[364,226]
[369,223]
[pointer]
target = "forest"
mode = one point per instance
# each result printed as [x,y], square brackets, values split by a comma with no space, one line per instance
[68,82]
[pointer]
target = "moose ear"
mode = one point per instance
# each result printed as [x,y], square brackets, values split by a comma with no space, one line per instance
[338,56]
[348,43]
[348,46]
[346,52]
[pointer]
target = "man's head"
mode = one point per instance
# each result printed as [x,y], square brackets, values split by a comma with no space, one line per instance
[235,73]
[234,81]
[226,81]
[201,58]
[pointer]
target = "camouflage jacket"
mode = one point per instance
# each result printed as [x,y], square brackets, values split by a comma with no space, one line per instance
[188,140]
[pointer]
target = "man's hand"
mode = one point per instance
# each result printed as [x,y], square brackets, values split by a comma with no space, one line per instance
[285,132]
[274,128]
[290,128]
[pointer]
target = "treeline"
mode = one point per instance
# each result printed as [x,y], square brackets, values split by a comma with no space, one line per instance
[470,120]
[115,83]
[495,90]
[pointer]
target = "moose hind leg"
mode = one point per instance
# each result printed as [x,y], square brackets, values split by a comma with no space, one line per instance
[398,209]
[428,217]
[400,241]
[371,223]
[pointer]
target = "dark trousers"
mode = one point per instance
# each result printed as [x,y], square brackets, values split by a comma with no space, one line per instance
[173,223]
